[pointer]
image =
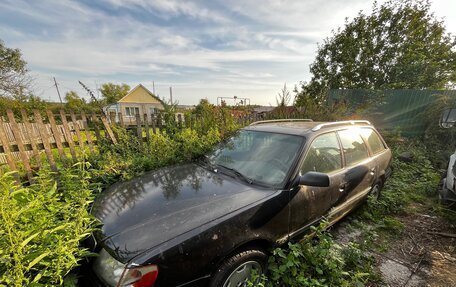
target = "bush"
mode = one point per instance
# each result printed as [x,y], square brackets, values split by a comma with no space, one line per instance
[41,227]
[319,261]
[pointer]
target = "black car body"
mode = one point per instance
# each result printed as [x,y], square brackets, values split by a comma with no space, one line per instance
[186,221]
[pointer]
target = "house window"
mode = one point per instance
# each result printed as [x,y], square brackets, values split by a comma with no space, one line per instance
[131,111]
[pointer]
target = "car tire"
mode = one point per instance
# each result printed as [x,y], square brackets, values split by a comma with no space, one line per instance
[376,190]
[237,268]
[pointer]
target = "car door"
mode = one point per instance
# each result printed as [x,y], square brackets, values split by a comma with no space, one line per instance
[311,203]
[381,155]
[358,175]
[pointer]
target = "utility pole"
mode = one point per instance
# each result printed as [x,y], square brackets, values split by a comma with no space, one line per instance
[171,94]
[58,92]
[153,87]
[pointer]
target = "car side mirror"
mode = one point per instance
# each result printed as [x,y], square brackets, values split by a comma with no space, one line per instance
[313,178]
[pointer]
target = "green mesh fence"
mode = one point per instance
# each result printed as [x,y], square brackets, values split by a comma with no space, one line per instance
[390,109]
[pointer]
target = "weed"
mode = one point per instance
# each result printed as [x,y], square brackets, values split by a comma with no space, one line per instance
[41,227]
[319,261]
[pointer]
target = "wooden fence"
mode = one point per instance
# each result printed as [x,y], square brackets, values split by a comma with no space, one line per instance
[24,138]
[29,139]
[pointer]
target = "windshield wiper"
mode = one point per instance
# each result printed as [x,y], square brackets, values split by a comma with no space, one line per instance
[237,173]
[204,160]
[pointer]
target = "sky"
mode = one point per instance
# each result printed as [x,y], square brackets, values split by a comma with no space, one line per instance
[202,49]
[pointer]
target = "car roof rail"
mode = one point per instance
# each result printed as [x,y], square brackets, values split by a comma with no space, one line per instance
[340,123]
[280,121]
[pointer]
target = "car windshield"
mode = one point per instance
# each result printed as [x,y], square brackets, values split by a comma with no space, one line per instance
[259,157]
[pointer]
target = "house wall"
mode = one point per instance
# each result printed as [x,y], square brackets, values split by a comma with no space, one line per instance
[143,109]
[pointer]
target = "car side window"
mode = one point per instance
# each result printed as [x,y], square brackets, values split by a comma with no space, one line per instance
[355,150]
[373,139]
[324,155]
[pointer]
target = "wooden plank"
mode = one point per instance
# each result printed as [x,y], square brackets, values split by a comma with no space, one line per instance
[56,133]
[138,127]
[146,126]
[32,137]
[77,129]
[44,138]
[179,120]
[112,118]
[67,134]
[96,128]
[121,120]
[6,148]
[108,129]
[153,123]
[87,130]
[20,145]
[159,121]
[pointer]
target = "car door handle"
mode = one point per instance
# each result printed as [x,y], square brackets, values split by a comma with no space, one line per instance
[342,187]
[372,171]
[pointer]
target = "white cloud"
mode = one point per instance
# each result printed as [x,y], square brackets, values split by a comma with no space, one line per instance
[172,8]
[203,49]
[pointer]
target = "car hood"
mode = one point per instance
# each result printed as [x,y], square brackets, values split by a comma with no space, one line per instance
[142,213]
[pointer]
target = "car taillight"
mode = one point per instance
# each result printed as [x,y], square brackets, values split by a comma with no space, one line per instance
[141,276]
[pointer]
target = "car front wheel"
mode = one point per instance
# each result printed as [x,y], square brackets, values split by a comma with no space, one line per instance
[237,269]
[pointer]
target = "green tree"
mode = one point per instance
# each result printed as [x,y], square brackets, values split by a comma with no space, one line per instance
[13,71]
[74,102]
[400,45]
[111,93]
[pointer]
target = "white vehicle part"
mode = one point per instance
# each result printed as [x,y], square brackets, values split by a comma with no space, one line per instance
[450,177]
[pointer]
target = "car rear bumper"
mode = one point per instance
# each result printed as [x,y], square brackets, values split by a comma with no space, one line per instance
[88,278]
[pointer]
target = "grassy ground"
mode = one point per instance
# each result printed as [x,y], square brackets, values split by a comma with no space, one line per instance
[403,230]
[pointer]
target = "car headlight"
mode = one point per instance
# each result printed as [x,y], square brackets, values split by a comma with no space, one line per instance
[114,273]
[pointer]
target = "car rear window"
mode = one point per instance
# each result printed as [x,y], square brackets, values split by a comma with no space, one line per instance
[355,150]
[373,139]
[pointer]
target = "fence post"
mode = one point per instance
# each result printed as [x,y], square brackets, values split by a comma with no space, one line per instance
[153,123]
[112,118]
[67,134]
[56,133]
[108,129]
[96,128]
[87,130]
[146,126]
[20,144]
[139,128]
[76,129]
[121,120]
[44,138]
[159,121]
[6,149]
[179,120]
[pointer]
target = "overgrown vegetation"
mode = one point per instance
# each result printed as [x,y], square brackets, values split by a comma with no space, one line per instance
[318,261]
[41,225]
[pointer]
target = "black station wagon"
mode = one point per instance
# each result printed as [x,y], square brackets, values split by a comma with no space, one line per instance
[210,223]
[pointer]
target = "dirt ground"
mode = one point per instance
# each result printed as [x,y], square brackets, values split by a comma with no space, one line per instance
[424,254]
